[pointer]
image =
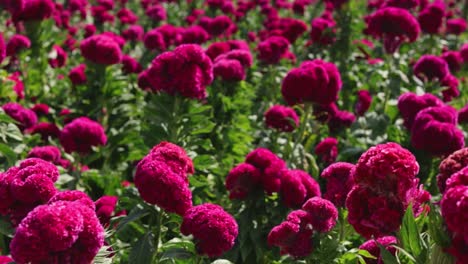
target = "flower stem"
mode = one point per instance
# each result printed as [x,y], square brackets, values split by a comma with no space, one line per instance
[302,128]
[158,215]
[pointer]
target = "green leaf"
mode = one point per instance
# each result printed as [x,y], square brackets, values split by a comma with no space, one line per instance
[143,250]
[409,233]
[6,228]
[136,213]
[8,153]
[387,257]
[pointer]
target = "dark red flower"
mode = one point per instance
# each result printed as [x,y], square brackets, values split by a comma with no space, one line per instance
[242,180]
[81,134]
[25,117]
[339,182]
[450,165]
[16,44]
[363,103]
[48,153]
[297,187]
[430,67]
[431,17]
[327,149]
[323,213]
[101,49]
[282,118]
[372,246]
[271,50]
[410,104]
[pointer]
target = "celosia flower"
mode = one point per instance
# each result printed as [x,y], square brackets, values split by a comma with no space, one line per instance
[242,180]
[89,30]
[430,67]
[453,59]
[323,213]
[229,70]
[456,26]
[174,156]
[25,117]
[73,196]
[289,28]
[101,49]
[323,31]
[130,65]
[154,40]
[16,44]
[297,187]
[41,109]
[327,149]
[59,59]
[126,16]
[194,35]
[339,182]
[134,33]
[271,50]
[463,115]
[459,178]
[372,246]
[363,103]
[187,71]
[458,249]
[47,153]
[393,25]
[270,167]
[217,48]
[435,131]
[282,118]
[45,129]
[450,165]
[454,206]
[105,207]
[314,81]
[431,17]
[81,134]
[464,52]
[411,104]
[293,236]
[220,25]
[213,229]
[157,13]
[34,10]
[77,75]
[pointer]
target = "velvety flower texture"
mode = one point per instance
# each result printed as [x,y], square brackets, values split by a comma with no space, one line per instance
[323,30]
[323,213]
[34,10]
[101,49]
[105,207]
[411,104]
[453,59]
[77,75]
[270,167]
[339,182]
[314,81]
[161,178]
[297,186]
[242,180]
[231,66]
[363,103]
[460,178]
[451,165]
[463,115]
[435,131]
[456,26]
[44,129]
[431,17]
[431,67]
[130,65]
[16,44]
[25,117]
[454,206]
[393,25]
[327,149]
[372,246]
[186,71]
[282,118]
[59,232]
[59,57]
[271,50]
[81,134]
[213,229]
[47,153]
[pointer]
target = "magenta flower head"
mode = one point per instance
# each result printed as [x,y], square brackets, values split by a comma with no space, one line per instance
[133,33]
[73,196]
[431,17]
[387,167]
[186,71]
[34,10]
[174,156]
[314,81]
[293,236]
[154,40]
[77,75]
[463,115]
[394,26]
[323,31]
[217,48]
[101,49]
[363,103]
[296,187]
[435,131]
[44,129]
[323,213]
[59,57]
[327,149]
[242,55]
[193,35]
[270,167]
[25,117]
[451,165]
[372,246]
[105,207]
[453,59]
[16,44]
[157,13]
[410,104]
[81,134]
[271,50]
[282,118]
[339,182]
[41,109]
[242,180]
[431,67]
[48,153]
[56,233]
[130,65]
[213,229]
[454,206]
[459,178]
[456,26]
[229,70]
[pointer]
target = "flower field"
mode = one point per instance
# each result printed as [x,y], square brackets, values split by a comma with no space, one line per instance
[233,131]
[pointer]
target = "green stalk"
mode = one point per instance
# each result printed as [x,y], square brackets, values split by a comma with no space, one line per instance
[302,128]
[157,233]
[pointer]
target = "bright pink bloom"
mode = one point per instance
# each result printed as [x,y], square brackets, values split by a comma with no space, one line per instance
[323,214]
[101,49]
[327,149]
[339,182]
[282,118]
[372,246]
[451,165]
[81,134]
[297,187]
[242,180]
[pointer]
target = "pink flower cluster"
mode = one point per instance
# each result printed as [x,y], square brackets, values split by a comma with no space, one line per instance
[282,118]
[81,135]
[385,184]
[232,65]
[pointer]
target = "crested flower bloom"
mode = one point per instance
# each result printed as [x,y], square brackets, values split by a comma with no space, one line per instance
[459,178]
[451,165]
[431,67]
[339,182]
[282,118]
[242,180]
[161,178]
[194,35]
[220,25]
[456,26]
[463,115]
[41,109]
[48,153]
[25,117]
[157,13]
[34,10]
[229,70]
[217,48]
[323,213]
[289,28]
[213,229]
[59,57]
[133,33]
[101,49]
[327,149]
[105,207]
[323,30]
[154,40]
[410,104]
[454,206]
[81,134]
[16,44]
[271,50]
[297,187]
[363,103]
[372,246]
[270,167]
[77,75]
[293,236]
[453,59]
[431,17]
[394,26]
[435,131]
[130,65]
[186,71]
[44,129]
[314,81]
[58,232]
